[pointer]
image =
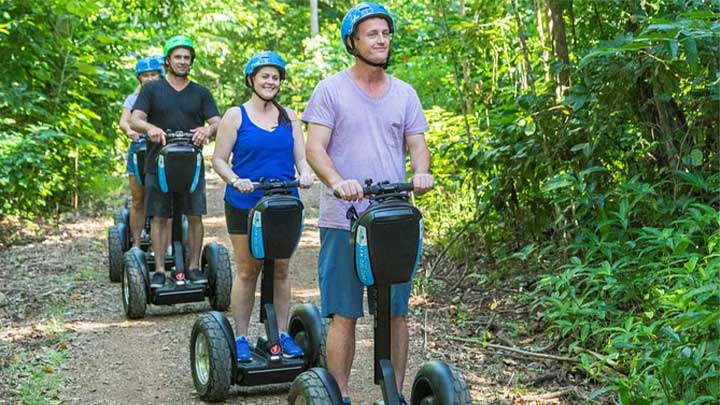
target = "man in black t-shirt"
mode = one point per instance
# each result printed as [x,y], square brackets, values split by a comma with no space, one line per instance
[176,104]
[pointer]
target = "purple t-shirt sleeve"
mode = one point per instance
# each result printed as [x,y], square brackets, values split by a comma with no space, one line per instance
[320,109]
[415,122]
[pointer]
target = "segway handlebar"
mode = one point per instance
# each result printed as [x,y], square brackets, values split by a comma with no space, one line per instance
[178,136]
[275,184]
[385,187]
[382,188]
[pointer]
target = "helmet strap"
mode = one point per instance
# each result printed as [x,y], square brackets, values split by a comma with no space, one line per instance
[357,54]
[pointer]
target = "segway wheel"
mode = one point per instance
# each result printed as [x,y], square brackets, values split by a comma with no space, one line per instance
[314,387]
[309,330]
[216,265]
[115,254]
[134,293]
[210,359]
[122,216]
[438,383]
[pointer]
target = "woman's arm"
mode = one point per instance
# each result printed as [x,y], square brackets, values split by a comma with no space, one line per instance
[125,125]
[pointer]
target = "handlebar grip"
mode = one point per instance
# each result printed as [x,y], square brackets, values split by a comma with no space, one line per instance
[276,184]
[405,187]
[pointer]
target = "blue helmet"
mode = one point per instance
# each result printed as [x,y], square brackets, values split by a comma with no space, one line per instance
[148,64]
[265,58]
[360,13]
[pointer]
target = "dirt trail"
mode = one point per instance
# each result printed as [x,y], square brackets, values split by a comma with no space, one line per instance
[56,302]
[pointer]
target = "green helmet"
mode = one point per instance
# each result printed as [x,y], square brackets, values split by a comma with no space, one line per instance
[176,42]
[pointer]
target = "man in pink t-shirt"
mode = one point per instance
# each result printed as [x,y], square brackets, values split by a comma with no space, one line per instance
[361,122]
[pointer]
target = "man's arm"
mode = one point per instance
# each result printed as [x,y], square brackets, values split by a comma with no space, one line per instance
[319,160]
[138,122]
[419,162]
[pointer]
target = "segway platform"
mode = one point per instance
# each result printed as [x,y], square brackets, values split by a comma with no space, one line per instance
[171,294]
[215,259]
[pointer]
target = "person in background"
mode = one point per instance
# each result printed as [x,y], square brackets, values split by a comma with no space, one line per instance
[146,70]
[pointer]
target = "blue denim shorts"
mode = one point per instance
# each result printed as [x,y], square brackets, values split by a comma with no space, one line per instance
[340,289]
[129,169]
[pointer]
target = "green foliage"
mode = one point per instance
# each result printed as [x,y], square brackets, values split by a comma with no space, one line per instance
[599,190]
[41,381]
[608,186]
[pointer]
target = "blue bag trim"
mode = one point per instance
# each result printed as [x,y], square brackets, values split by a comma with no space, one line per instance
[362,257]
[197,172]
[257,247]
[162,177]
[136,169]
[419,251]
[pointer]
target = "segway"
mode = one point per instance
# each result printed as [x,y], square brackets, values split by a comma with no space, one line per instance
[274,227]
[386,244]
[179,165]
[120,237]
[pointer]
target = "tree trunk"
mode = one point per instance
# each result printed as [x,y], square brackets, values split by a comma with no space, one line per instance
[559,42]
[465,66]
[314,26]
[541,37]
[526,53]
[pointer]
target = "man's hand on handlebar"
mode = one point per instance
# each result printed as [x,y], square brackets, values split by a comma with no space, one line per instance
[422,182]
[350,190]
[201,135]
[156,135]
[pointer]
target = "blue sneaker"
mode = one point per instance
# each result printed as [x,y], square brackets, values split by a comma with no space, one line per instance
[289,347]
[242,347]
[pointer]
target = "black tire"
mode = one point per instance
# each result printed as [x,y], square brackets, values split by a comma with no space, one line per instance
[210,359]
[115,254]
[216,266]
[309,388]
[309,330]
[438,383]
[122,216]
[134,292]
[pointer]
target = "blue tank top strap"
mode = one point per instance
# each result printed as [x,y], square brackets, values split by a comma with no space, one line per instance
[245,118]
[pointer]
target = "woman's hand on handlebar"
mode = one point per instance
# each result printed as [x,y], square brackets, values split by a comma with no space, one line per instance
[306,180]
[350,190]
[243,185]
[422,182]
[134,136]
[156,135]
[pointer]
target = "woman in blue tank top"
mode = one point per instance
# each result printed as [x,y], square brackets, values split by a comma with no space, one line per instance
[266,141]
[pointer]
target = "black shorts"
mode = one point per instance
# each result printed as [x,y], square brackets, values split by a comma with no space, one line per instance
[236,220]
[159,204]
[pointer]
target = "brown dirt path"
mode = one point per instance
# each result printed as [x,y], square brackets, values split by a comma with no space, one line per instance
[56,300]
